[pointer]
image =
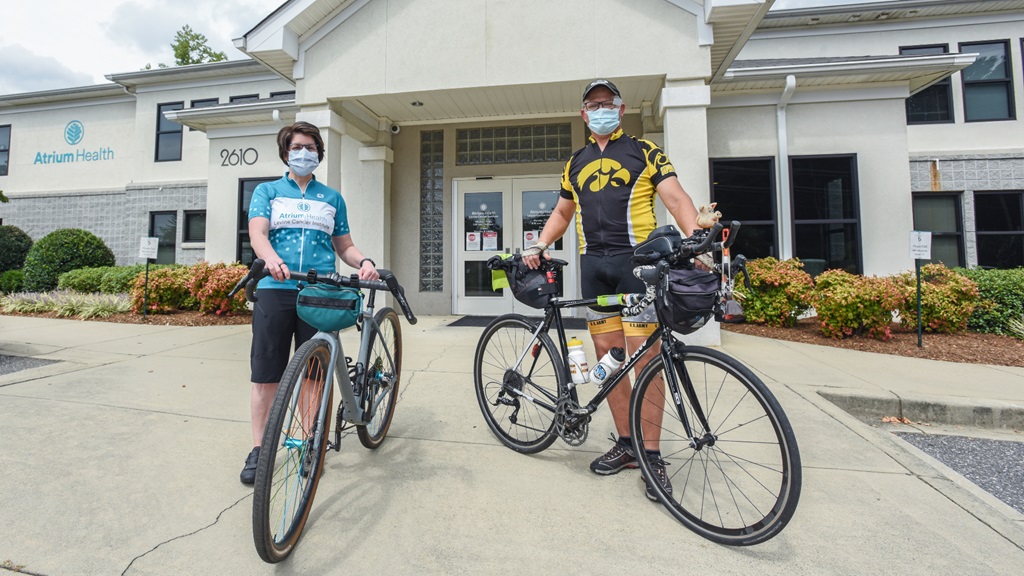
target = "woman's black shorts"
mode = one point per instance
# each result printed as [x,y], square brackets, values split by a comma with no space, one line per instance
[274,326]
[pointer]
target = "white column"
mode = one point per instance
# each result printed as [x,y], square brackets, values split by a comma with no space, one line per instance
[683,106]
[374,204]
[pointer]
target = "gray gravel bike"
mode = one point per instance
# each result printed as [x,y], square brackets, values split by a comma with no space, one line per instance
[296,438]
[727,446]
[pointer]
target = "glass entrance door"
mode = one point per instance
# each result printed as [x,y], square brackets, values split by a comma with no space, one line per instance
[503,215]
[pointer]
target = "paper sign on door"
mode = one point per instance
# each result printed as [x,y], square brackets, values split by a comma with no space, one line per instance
[490,240]
[472,241]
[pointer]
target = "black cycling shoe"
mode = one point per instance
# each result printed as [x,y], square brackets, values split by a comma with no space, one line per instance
[615,460]
[248,475]
[658,468]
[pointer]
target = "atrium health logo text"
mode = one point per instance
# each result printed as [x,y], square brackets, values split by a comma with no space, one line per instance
[74,132]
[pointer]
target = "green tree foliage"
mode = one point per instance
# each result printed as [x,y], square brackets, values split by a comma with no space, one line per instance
[190,47]
[14,246]
[62,251]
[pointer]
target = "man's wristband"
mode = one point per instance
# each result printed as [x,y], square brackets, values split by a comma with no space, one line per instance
[365,260]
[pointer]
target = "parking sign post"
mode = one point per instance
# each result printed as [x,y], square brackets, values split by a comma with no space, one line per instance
[147,249]
[920,249]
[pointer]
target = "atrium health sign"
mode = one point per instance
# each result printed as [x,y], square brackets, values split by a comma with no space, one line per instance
[74,134]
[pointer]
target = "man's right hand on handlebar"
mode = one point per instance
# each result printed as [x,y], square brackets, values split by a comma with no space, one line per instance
[531,256]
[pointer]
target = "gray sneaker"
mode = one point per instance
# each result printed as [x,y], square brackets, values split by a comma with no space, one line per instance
[615,460]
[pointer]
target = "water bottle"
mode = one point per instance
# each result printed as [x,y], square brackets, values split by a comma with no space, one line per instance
[577,360]
[607,366]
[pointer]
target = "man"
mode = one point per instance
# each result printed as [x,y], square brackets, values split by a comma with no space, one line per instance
[609,185]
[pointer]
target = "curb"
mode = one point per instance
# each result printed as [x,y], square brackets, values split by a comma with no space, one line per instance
[952,411]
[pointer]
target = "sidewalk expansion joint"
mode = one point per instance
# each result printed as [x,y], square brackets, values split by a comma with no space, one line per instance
[131,408]
[193,533]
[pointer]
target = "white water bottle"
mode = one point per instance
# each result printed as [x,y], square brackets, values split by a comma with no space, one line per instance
[607,366]
[577,360]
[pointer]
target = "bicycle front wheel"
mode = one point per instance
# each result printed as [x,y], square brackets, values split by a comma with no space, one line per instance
[735,482]
[517,380]
[380,383]
[292,452]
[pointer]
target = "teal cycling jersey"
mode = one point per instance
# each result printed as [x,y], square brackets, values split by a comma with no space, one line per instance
[301,225]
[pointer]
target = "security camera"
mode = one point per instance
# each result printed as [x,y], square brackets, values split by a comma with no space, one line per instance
[395,128]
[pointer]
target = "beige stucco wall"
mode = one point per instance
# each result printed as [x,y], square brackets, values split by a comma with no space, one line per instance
[874,130]
[222,196]
[407,45]
[887,40]
[194,147]
[40,131]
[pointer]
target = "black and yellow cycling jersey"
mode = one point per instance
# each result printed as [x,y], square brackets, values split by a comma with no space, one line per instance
[614,192]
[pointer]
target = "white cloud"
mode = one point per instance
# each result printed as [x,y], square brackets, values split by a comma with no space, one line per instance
[77,43]
[25,71]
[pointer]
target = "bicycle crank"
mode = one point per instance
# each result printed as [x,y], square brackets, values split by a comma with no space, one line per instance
[572,423]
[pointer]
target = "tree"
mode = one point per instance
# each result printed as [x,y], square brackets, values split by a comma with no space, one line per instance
[190,47]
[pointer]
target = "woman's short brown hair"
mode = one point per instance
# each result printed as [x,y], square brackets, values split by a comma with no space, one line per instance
[284,139]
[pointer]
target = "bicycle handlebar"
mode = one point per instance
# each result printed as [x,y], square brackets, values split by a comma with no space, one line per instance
[388,282]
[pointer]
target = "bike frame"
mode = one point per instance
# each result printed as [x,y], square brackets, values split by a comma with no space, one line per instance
[670,349]
[352,410]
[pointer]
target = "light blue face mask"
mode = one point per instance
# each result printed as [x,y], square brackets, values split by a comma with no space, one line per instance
[302,162]
[603,121]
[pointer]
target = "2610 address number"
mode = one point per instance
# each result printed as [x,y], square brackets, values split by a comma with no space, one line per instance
[238,156]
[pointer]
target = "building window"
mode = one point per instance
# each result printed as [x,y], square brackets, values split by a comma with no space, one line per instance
[432,211]
[289,95]
[999,226]
[244,98]
[745,191]
[934,104]
[168,133]
[204,103]
[826,230]
[164,225]
[940,214]
[243,250]
[5,149]
[988,88]
[513,144]
[195,226]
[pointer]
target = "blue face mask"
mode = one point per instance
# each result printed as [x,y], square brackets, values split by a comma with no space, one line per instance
[603,121]
[302,162]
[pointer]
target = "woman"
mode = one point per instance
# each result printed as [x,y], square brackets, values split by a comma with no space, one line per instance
[295,223]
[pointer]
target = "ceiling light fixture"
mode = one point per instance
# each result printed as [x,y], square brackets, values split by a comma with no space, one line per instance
[416,103]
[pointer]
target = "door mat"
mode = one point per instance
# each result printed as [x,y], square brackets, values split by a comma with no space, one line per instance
[481,321]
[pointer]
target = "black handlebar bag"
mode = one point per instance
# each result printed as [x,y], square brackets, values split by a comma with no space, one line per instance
[687,298]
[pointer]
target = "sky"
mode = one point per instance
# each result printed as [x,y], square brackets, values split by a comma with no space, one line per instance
[54,44]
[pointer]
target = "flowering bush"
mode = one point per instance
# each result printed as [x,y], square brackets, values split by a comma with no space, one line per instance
[848,304]
[781,291]
[168,291]
[210,284]
[947,299]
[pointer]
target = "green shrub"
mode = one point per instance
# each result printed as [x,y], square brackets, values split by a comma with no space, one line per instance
[14,246]
[119,279]
[12,281]
[947,299]
[210,284]
[781,291]
[849,305]
[62,251]
[168,291]
[1002,299]
[82,279]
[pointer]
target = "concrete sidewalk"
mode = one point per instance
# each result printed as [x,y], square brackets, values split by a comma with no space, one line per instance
[123,458]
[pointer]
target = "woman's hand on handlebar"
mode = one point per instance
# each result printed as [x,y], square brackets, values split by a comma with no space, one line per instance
[277,268]
[368,271]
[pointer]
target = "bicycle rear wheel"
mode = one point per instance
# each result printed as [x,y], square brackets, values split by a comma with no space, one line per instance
[380,385]
[518,399]
[292,453]
[736,482]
